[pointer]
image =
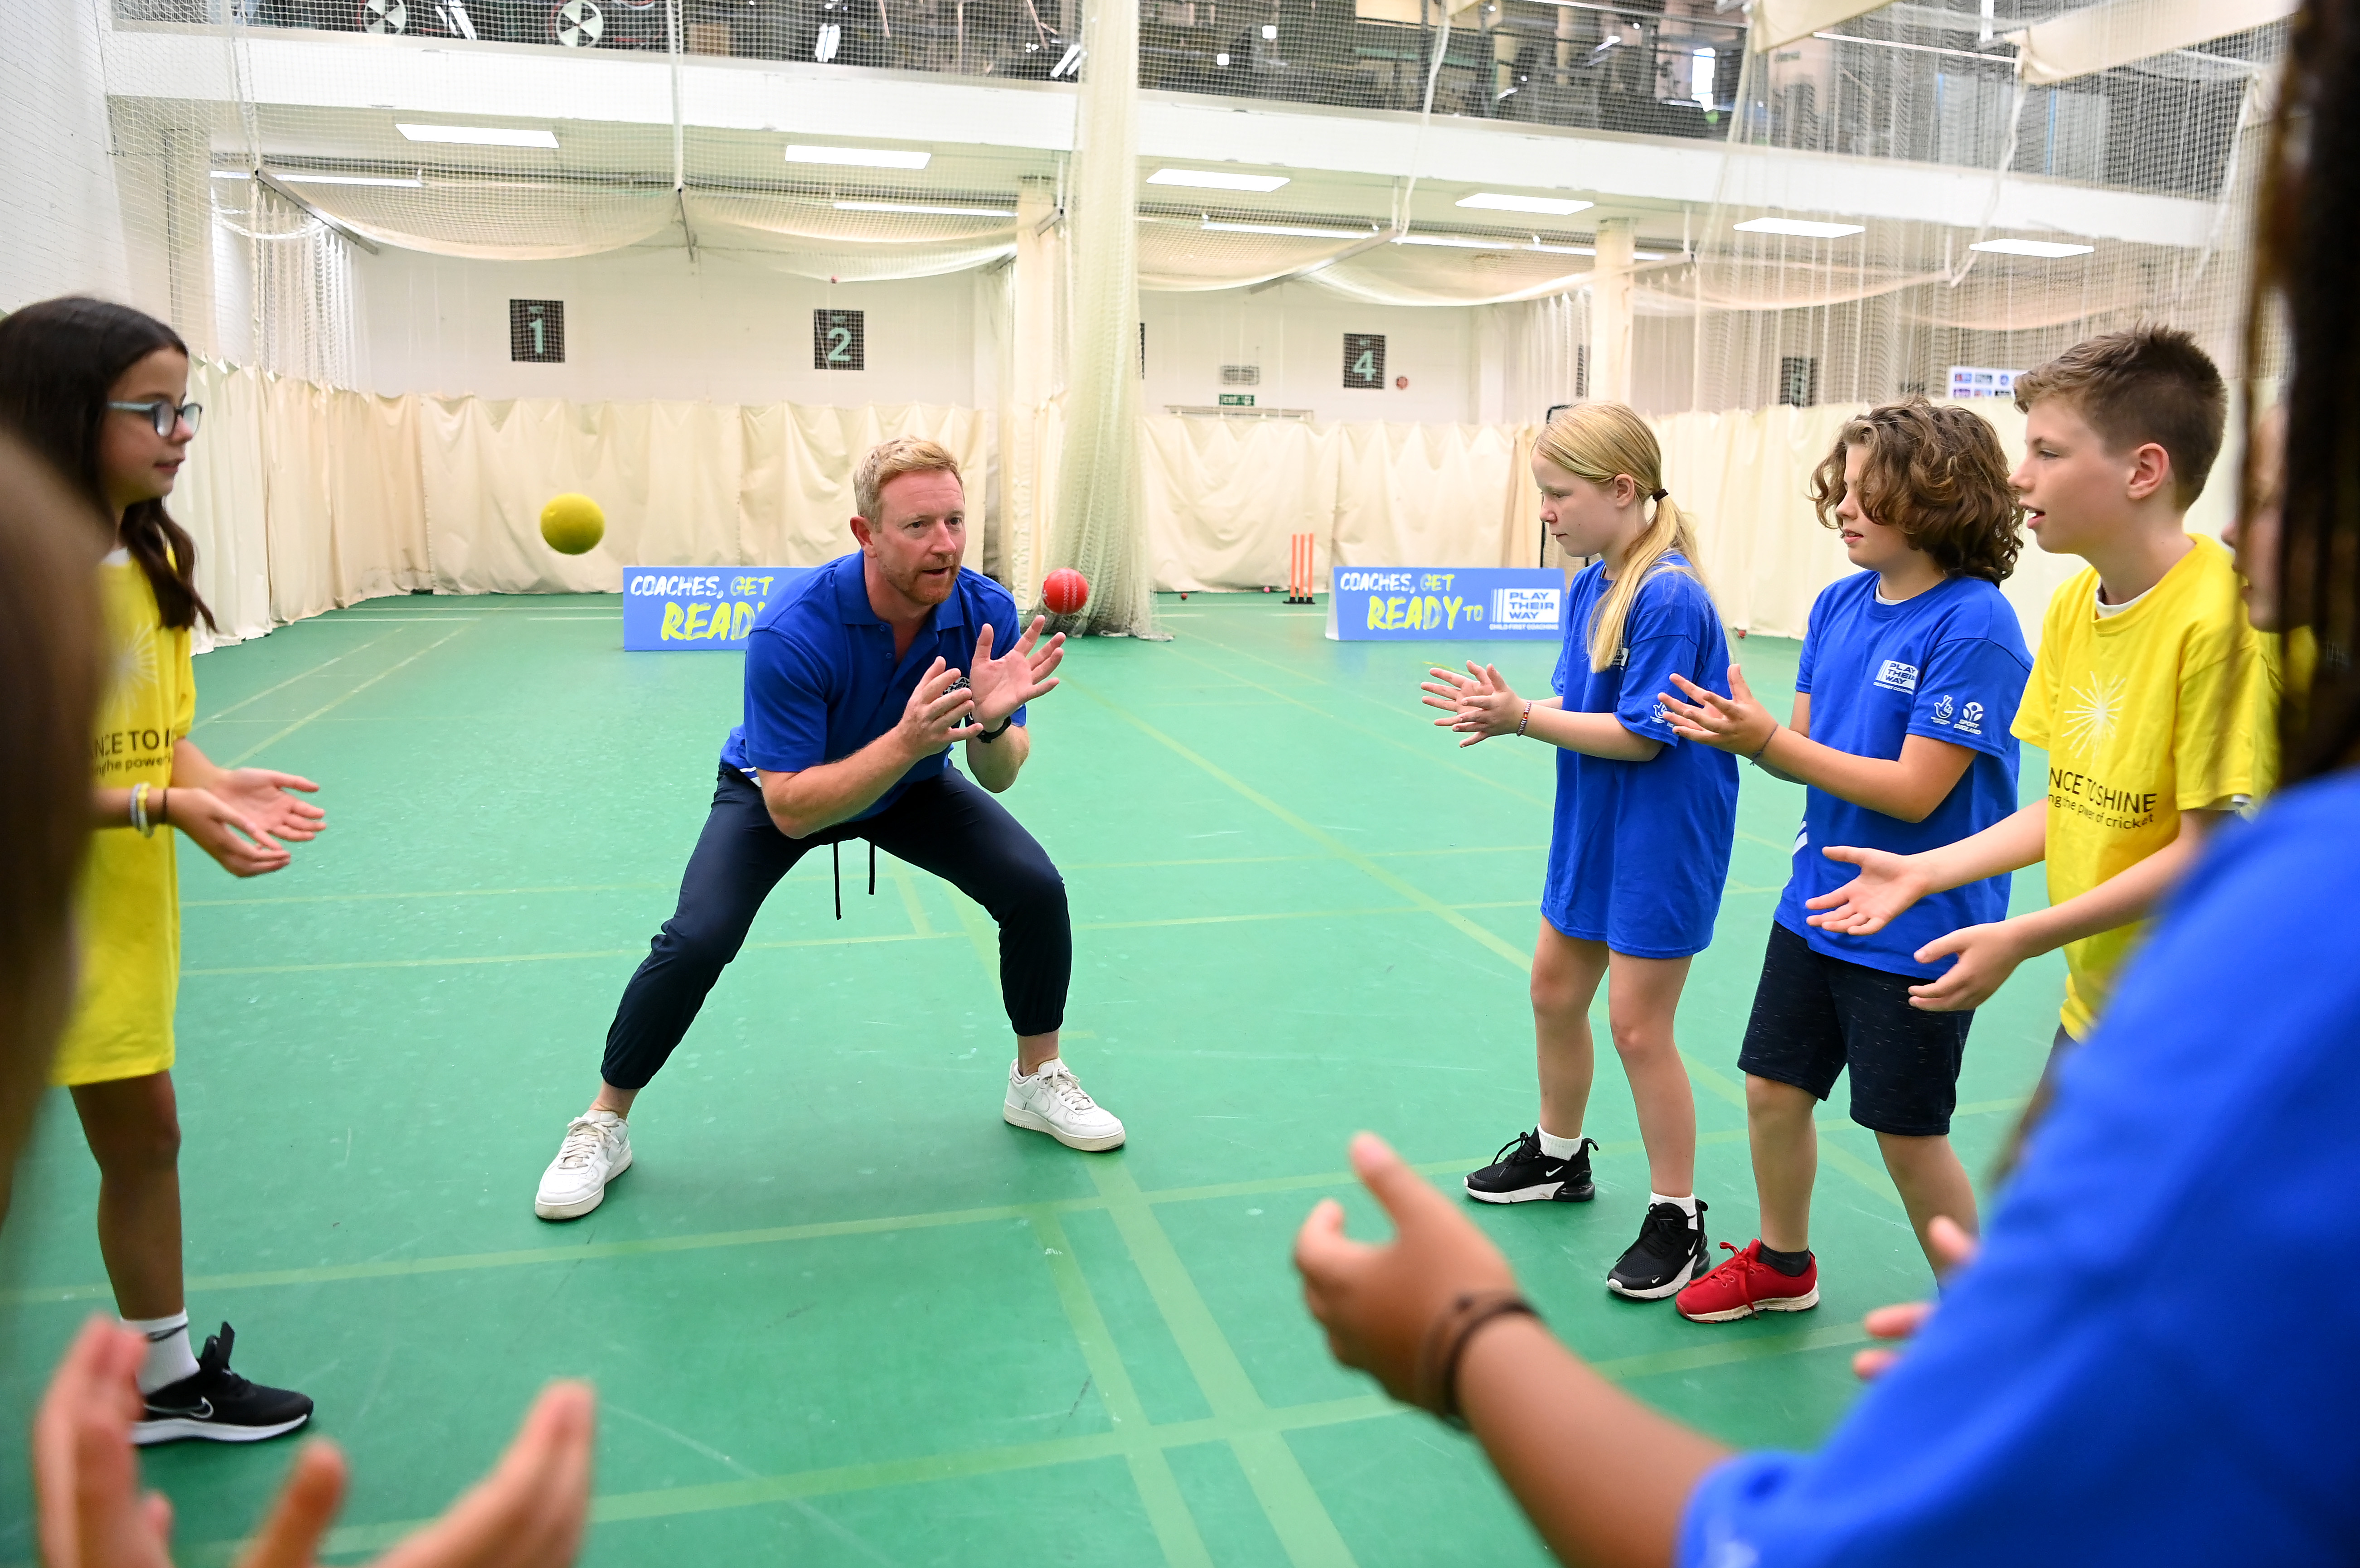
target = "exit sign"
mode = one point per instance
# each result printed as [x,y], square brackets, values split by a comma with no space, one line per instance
[1237,399]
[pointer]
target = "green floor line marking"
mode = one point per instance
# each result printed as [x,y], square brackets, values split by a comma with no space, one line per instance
[705,1241]
[889,862]
[451,893]
[1722,1352]
[907,887]
[1422,753]
[1321,836]
[532,1257]
[1867,1176]
[1422,672]
[975,925]
[266,691]
[272,740]
[1151,1472]
[674,1501]
[1301,1521]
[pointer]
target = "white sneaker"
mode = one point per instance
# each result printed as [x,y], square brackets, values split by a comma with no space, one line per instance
[597,1150]
[1050,1101]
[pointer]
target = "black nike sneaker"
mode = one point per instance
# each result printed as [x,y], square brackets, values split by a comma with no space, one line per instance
[1670,1252]
[1521,1173]
[216,1404]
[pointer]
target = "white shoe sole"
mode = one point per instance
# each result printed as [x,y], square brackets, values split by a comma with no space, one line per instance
[1696,1272]
[1018,1117]
[147,1433]
[1544,1193]
[580,1206]
[1783,1305]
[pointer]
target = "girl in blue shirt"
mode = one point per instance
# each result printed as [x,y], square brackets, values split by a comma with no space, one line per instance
[1905,701]
[1639,843]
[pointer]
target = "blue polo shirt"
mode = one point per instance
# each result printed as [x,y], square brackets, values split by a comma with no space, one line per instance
[822,682]
[1949,664]
[2153,1361]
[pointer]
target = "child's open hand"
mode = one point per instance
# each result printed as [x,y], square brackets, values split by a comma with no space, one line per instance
[1737,723]
[1480,702]
[1887,885]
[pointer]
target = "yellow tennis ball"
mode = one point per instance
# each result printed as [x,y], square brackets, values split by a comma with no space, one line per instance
[572,524]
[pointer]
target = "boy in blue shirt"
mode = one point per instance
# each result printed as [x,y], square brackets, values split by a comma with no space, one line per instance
[1911,671]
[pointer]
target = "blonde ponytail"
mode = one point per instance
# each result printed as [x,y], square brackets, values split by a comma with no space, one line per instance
[1598,442]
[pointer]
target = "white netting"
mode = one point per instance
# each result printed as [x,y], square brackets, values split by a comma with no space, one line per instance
[246,162]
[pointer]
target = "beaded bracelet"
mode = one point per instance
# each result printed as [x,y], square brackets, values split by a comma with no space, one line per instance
[1526,720]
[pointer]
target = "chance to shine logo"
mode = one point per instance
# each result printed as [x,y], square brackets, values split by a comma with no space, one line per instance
[2091,710]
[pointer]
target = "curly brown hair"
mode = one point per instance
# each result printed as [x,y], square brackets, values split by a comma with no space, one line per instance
[1938,476]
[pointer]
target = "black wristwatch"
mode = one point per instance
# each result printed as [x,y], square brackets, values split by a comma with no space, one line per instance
[987,736]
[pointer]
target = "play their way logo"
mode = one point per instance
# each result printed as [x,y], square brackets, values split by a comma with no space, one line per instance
[1897,676]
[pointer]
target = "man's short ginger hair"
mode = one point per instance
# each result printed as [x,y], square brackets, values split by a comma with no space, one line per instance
[2144,384]
[888,461]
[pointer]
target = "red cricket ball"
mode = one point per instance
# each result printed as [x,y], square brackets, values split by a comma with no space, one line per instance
[1064,591]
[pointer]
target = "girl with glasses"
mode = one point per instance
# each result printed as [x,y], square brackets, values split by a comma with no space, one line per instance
[101,390]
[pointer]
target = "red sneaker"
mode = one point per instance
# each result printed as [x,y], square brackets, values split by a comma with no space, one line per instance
[1744,1286]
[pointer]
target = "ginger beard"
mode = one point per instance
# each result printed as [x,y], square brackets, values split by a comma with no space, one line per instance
[918,536]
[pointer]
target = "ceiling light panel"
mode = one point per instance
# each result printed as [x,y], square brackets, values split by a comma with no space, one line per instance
[479,135]
[947,211]
[857,157]
[2048,250]
[1802,227]
[1216,179]
[1298,231]
[407,182]
[1501,202]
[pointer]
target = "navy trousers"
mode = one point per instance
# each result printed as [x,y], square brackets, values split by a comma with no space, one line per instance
[947,825]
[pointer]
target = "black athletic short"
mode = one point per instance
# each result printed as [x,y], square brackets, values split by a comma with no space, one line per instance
[1814,1017]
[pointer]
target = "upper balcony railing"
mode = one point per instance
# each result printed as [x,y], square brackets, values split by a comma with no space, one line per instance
[1927,82]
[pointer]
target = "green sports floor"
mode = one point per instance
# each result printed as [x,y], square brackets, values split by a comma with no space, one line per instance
[838,1313]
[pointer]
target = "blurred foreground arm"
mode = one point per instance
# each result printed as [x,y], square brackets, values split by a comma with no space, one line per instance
[1601,1476]
[529,1513]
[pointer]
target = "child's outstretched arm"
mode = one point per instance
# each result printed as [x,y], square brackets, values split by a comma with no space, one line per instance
[1989,953]
[1480,705]
[1907,787]
[1888,883]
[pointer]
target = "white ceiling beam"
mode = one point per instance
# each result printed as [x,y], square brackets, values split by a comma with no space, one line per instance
[2099,38]
[328,71]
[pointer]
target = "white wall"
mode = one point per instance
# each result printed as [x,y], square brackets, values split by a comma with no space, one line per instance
[652,324]
[1295,332]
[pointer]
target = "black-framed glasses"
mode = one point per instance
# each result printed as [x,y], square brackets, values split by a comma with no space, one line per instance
[164,416]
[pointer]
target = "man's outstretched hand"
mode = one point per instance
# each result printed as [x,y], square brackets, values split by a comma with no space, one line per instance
[1378,1303]
[1026,671]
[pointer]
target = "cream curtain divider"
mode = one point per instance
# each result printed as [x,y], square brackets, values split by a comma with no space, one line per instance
[303,497]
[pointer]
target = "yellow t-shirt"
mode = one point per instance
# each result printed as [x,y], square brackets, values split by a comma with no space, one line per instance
[2167,706]
[130,901]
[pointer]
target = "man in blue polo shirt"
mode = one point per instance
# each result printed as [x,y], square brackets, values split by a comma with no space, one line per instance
[857,686]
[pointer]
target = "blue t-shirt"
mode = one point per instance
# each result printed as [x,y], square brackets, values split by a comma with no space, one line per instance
[2154,1359]
[822,682]
[1639,851]
[1949,663]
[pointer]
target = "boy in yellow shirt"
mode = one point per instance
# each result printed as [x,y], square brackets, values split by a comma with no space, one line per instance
[2152,693]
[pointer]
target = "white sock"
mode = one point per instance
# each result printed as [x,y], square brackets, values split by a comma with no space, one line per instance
[1558,1148]
[169,1358]
[1043,1070]
[1686,1206]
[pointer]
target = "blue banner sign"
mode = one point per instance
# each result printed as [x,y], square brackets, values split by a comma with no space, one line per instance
[698,608]
[1424,603]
